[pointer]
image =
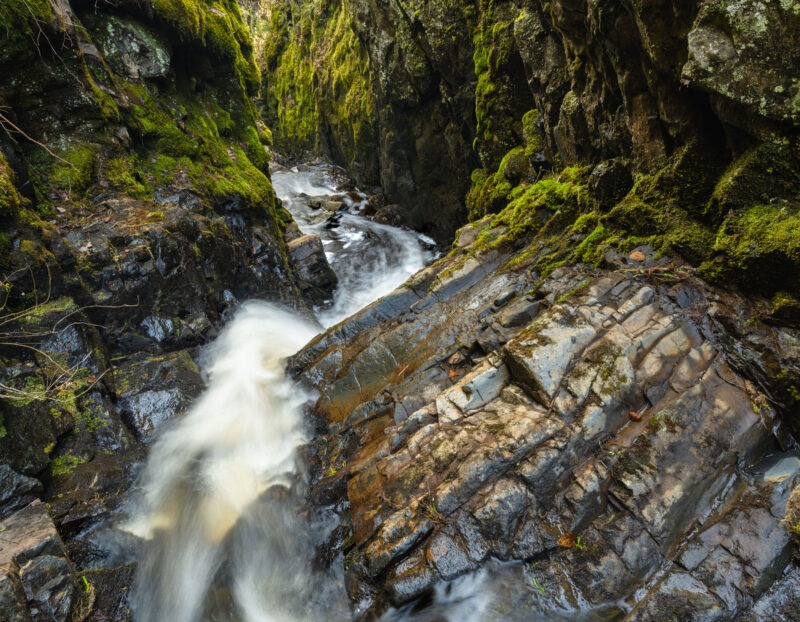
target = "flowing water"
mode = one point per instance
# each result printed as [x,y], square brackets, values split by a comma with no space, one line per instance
[370,259]
[222,536]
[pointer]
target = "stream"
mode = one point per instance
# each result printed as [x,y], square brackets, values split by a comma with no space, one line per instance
[223,539]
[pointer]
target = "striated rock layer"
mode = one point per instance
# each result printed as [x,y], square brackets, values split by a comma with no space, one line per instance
[612,430]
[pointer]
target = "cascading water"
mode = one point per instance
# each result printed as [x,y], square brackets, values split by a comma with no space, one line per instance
[370,259]
[215,495]
[222,539]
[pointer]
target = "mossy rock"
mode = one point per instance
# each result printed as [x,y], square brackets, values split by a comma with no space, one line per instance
[11,201]
[22,21]
[763,174]
[760,248]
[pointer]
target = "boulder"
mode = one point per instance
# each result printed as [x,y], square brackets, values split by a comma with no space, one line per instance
[317,280]
[152,390]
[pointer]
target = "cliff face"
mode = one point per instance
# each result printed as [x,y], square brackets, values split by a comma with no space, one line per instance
[686,113]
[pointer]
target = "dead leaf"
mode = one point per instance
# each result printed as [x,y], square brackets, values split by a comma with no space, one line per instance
[637,256]
[635,416]
[453,373]
[567,541]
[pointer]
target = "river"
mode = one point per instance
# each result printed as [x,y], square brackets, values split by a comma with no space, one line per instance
[222,535]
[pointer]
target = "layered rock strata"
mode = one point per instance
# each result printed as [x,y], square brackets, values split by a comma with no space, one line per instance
[598,427]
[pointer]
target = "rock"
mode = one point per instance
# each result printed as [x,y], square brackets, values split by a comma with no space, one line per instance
[133,50]
[742,53]
[332,206]
[13,604]
[86,494]
[316,277]
[153,390]
[32,556]
[50,588]
[536,440]
[780,603]
[610,181]
[412,578]
[112,593]
[540,356]
[16,490]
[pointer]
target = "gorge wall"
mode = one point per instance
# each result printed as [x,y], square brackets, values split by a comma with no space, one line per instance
[687,113]
[135,211]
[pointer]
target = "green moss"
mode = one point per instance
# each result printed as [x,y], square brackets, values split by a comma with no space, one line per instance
[321,84]
[31,389]
[122,174]
[23,21]
[66,174]
[488,194]
[785,305]
[66,463]
[11,202]
[218,27]
[498,95]
[531,206]
[585,222]
[763,174]
[534,143]
[761,247]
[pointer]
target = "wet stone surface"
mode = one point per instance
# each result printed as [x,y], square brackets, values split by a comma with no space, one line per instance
[596,432]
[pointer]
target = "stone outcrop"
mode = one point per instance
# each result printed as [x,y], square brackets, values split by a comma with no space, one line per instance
[603,429]
[38,582]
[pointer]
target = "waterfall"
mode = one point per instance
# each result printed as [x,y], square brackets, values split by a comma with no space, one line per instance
[217,514]
[216,497]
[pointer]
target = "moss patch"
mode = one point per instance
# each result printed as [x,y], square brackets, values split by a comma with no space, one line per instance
[760,248]
[321,87]
[11,202]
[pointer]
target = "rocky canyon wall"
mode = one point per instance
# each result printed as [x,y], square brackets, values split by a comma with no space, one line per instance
[684,114]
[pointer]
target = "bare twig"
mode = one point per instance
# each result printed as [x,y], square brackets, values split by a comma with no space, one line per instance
[6,123]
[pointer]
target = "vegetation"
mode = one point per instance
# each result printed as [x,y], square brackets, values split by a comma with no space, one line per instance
[320,84]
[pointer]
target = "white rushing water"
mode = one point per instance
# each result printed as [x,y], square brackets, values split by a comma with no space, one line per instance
[203,509]
[222,539]
[370,259]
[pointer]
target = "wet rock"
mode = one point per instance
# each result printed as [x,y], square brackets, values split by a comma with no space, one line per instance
[317,279]
[541,355]
[87,493]
[112,593]
[16,490]
[165,268]
[33,428]
[153,390]
[13,604]
[33,557]
[410,579]
[50,588]
[537,440]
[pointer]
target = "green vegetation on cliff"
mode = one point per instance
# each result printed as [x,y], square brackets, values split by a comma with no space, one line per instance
[196,129]
[318,86]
